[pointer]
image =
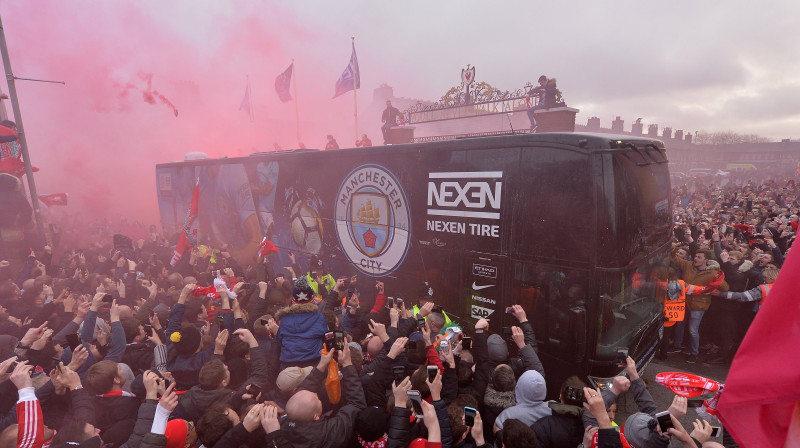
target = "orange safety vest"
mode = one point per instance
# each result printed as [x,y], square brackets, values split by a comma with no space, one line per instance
[675,310]
[764,291]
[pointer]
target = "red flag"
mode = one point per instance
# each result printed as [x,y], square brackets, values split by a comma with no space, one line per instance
[266,247]
[713,284]
[762,390]
[188,236]
[53,199]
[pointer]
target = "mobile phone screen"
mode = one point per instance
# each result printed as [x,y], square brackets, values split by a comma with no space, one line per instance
[416,401]
[399,374]
[330,341]
[466,343]
[469,416]
[715,431]
[432,371]
[664,421]
[73,340]
[339,340]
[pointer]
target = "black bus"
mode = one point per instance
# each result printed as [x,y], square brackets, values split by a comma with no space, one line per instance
[574,227]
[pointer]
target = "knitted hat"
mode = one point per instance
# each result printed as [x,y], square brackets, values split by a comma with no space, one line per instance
[291,377]
[370,423]
[315,263]
[497,347]
[186,340]
[640,429]
[425,291]
[302,292]
[177,432]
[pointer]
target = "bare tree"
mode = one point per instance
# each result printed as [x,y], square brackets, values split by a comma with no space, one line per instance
[727,138]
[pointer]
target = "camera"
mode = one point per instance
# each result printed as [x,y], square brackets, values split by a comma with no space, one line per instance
[574,396]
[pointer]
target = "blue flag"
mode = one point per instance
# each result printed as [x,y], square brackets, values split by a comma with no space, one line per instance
[345,82]
[282,83]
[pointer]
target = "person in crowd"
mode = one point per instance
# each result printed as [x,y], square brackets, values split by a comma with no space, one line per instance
[301,328]
[365,142]
[389,119]
[331,143]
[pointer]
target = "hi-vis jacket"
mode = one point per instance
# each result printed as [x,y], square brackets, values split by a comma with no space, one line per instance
[757,294]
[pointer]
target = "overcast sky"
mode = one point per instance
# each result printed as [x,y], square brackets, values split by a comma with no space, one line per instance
[711,65]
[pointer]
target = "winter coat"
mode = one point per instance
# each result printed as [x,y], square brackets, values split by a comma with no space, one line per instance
[144,422]
[139,357]
[495,403]
[693,276]
[563,428]
[152,440]
[530,392]
[301,333]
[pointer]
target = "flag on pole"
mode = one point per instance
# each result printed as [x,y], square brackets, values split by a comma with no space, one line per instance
[345,82]
[53,199]
[246,104]
[760,405]
[283,82]
[188,236]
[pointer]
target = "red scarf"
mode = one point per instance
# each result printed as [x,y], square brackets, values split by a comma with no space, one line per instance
[380,443]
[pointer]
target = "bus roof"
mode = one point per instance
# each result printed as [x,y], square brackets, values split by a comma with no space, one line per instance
[584,140]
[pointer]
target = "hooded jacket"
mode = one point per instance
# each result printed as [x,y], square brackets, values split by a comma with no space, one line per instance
[530,391]
[301,333]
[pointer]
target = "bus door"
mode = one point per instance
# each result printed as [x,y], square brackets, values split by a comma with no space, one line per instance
[483,280]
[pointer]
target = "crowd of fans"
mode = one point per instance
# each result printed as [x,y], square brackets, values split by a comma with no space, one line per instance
[113,347]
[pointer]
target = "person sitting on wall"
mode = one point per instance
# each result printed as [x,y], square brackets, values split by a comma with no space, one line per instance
[389,119]
[364,142]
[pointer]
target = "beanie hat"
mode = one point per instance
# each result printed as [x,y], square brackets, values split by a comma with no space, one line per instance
[639,428]
[177,432]
[425,291]
[370,423]
[356,346]
[315,263]
[290,378]
[497,347]
[302,291]
[418,443]
[186,340]
[162,311]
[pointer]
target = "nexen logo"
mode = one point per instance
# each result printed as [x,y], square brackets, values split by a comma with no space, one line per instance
[459,194]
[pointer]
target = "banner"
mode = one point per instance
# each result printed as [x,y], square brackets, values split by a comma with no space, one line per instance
[283,82]
[188,236]
[345,82]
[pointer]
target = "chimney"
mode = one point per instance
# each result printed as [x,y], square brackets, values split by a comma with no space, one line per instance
[688,137]
[666,133]
[636,128]
[679,134]
[617,126]
[383,93]
[652,130]
[593,124]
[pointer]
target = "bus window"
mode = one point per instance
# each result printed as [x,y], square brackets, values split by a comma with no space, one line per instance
[553,218]
[549,296]
[629,299]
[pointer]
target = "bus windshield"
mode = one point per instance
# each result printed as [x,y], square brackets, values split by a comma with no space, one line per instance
[630,299]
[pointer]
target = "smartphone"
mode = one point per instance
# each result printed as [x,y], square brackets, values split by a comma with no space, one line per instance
[509,310]
[664,421]
[108,298]
[416,401]
[220,323]
[57,363]
[574,396]
[264,321]
[507,331]
[152,313]
[695,402]
[390,302]
[622,356]
[432,371]
[339,340]
[330,341]
[444,349]
[148,330]
[421,322]
[466,343]
[469,416]
[399,374]
[73,340]
[411,345]
[437,309]
[715,431]
[398,302]
[253,389]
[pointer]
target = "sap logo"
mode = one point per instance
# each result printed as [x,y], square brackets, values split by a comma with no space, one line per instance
[460,194]
[479,312]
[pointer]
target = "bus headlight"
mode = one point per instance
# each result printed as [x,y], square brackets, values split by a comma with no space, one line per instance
[602,383]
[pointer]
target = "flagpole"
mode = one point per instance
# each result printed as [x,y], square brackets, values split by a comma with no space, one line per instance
[355,96]
[296,101]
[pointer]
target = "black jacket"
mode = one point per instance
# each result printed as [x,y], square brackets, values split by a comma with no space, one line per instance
[563,428]
[334,431]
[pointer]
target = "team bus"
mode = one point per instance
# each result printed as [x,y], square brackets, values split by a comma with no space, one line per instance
[575,227]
